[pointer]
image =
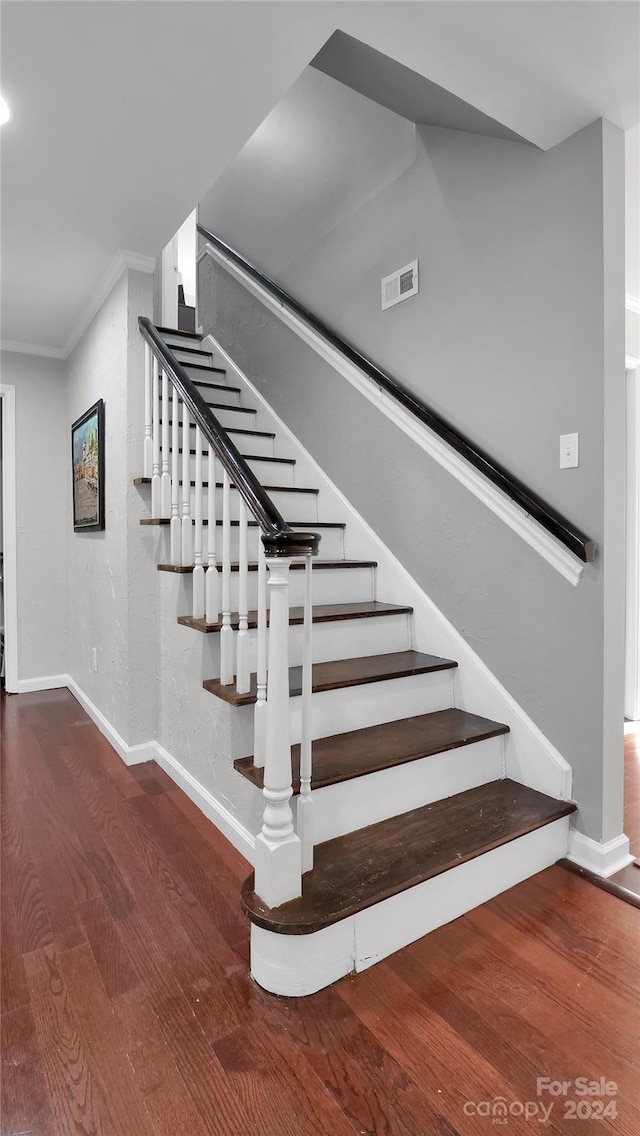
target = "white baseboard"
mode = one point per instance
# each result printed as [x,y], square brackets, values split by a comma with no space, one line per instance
[213,809]
[130,754]
[46,682]
[602,859]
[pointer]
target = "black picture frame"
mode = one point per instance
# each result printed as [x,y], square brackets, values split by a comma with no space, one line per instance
[87,469]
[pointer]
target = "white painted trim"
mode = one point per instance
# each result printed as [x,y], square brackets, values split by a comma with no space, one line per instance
[10,536]
[131,755]
[212,808]
[31,349]
[298,965]
[632,662]
[45,682]
[529,756]
[551,550]
[602,859]
[632,303]
[121,261]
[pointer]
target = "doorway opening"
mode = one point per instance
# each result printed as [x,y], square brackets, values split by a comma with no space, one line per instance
[179,277]
[8,548]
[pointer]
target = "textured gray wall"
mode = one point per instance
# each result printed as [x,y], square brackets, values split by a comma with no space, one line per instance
[43,510]
[506,339]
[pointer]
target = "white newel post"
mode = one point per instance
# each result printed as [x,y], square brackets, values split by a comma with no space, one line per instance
[165,481]
[243,669]
[147,465]
[226,631]
[175,529]
[260,708]
[155,418]
[186,526]
[278,854]
[211,581]
[198,566]
[304,804]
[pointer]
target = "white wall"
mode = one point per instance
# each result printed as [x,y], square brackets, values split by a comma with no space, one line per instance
[187,242]
[43,487]
[110,589]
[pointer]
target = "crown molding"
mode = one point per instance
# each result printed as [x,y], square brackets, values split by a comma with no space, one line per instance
[122,260]
[31,349]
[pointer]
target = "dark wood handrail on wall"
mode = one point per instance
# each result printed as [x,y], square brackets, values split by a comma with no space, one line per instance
[278,537]
[548,517]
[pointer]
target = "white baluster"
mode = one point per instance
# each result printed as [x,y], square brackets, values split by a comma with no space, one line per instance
[165,481]
[147,467]
[304,806]
[175,531]
[155,416]
[260,708]
[243,669]
[212,609]
[198,566]
[226,631]
[278,856]
[186,526]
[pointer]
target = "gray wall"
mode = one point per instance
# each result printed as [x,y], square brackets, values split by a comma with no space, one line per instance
[506,339]
[43,492]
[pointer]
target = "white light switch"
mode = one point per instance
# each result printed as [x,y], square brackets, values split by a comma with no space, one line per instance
[568,451]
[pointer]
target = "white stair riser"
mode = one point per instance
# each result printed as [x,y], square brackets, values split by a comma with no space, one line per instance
[296,965]
[292,506]
[228,416]
[181,340]
[184,356]
[343,639]
[347,585]
[354,707]
[345,807]
[214,394]
[267,473]
[332,542]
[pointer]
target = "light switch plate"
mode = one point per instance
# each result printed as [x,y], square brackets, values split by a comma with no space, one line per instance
[568,451]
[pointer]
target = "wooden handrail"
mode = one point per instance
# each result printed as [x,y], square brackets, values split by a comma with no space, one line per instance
[278,537]
[548,517]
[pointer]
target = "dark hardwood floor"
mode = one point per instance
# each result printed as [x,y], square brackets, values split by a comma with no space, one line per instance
[127,1007]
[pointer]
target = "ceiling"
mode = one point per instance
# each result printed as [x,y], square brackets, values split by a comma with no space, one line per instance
[125,113]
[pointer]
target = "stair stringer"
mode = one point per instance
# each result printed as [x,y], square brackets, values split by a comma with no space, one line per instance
[529,756]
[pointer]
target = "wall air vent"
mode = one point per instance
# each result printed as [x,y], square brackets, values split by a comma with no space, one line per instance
[400,285]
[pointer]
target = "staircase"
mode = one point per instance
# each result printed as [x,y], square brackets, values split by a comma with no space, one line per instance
[406,814]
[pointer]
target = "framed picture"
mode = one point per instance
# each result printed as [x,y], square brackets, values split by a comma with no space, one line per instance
[87,457]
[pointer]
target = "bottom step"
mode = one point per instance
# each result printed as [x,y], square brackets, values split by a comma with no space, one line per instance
[373,891]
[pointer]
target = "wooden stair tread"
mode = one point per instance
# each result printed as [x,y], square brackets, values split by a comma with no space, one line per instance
[220,406]
[345,756]
[339,673]
[248,457]
[180,332]
[234,429]
[252,524]
[216,386]
[219,485]
[194,351]
[355,871]
[322,613]
[295,565]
